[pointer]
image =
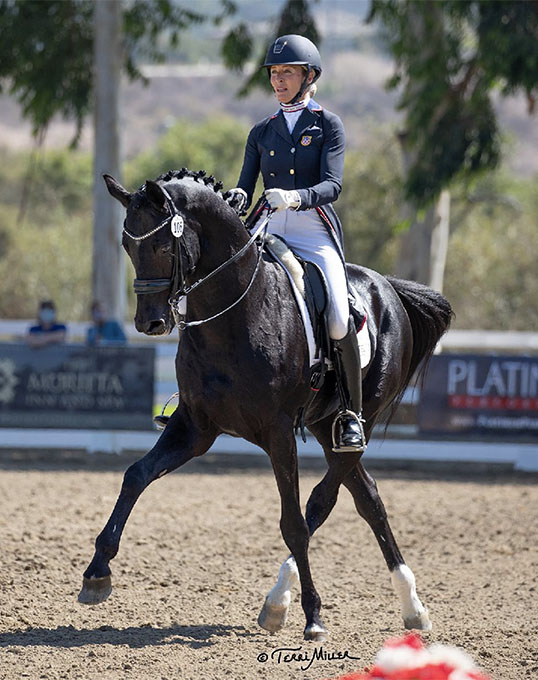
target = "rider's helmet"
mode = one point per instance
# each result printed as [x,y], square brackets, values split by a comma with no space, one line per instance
[294,49]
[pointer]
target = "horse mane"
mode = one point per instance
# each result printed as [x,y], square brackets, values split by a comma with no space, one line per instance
[197,176]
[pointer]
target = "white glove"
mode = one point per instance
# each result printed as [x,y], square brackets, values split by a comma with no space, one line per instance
[279,199]
[237,199]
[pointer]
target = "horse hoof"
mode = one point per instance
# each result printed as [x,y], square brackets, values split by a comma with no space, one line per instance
[316,633]
[272,618]
[419,622]
[95,590]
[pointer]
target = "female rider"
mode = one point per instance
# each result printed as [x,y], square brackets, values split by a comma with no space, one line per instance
[300,152]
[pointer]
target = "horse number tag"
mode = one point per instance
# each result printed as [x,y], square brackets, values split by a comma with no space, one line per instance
[177,225]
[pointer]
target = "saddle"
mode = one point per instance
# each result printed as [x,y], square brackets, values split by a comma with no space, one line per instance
[309,282]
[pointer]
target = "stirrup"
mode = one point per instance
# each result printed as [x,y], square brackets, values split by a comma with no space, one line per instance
[161,421]
[338,447]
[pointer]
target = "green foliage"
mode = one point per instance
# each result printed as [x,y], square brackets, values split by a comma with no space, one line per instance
[215,146]
[46,58]
[47,252]
[491,266]
[450,55]
[46,50]
[491,271]
[370,204]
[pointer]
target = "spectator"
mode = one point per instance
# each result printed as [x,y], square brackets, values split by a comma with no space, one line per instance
[104,332]
[47,331]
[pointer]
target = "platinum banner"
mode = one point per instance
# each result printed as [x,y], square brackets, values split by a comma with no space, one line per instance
[74,386]
[470,393]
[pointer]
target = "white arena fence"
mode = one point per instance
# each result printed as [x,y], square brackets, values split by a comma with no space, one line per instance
[401,443]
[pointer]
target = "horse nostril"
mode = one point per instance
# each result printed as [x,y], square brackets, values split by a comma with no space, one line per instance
[154,327]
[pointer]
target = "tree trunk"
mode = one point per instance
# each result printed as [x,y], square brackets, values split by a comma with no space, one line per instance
[423,248]
[108,279]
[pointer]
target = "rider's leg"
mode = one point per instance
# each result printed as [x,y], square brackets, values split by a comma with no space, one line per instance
[308,237]
[348,431]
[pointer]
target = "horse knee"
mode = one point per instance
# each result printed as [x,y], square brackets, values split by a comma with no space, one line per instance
[134,480]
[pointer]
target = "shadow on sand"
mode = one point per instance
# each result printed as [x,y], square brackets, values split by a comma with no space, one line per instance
[135,637]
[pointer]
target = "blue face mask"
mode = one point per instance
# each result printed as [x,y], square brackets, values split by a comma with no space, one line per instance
[47,315]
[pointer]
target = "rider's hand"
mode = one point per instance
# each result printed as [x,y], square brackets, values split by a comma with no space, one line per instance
[237,199]
[279,199]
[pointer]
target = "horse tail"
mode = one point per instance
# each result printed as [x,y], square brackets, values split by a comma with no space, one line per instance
[430,315]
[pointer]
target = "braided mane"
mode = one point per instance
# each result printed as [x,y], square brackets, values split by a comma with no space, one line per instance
[199,176]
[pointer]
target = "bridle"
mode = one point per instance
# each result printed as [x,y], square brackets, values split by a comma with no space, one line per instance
[176,284]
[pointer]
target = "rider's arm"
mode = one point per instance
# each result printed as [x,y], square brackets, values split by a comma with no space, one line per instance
[251,167]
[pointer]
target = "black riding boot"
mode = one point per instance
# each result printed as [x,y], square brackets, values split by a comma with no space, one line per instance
[348,431]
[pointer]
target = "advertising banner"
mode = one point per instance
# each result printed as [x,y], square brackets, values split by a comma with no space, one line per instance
[467,393]
[74,386]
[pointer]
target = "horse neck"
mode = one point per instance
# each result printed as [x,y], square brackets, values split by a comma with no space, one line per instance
[225,239]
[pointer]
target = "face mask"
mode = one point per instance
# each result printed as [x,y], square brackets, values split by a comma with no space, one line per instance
[47,315]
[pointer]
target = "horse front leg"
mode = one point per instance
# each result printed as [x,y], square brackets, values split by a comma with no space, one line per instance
[182,440]
[283,453]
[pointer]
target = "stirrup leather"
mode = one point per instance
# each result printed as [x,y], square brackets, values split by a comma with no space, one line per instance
[337,445]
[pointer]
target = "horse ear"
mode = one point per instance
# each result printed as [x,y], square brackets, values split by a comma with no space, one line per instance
[155,195]
[117,191]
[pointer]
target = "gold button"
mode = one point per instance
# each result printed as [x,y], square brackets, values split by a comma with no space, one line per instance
[271,153]
[292,172]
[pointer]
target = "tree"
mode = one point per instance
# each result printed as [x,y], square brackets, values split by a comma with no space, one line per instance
[451,56]
[47,64]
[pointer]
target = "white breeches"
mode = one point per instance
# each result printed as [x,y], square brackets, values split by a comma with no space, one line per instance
[307,236]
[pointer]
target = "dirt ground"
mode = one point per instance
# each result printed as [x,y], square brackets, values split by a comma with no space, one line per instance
[203,547]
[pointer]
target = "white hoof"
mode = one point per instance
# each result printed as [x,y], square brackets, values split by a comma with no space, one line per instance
[419,622]
[272,618]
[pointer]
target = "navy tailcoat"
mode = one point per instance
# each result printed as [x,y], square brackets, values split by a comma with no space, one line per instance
[310,160]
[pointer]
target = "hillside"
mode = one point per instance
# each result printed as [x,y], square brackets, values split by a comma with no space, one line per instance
[352,85]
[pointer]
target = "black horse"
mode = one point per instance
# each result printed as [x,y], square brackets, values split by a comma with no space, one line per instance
[246,372]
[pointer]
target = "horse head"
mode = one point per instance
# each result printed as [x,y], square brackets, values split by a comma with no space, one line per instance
[162,234]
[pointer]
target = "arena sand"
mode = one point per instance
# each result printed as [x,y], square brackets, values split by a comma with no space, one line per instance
[202,548]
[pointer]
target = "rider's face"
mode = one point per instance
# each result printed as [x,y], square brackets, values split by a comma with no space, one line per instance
[286,80]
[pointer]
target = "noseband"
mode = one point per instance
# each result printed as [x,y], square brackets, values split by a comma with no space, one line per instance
[176,284]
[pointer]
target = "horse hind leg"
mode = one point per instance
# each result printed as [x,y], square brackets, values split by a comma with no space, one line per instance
[274,613]
[180,441]
[370,506]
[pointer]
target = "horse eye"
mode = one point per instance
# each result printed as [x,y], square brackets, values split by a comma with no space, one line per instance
[166,249]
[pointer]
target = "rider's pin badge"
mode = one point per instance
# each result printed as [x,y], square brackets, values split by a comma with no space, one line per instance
[177,225]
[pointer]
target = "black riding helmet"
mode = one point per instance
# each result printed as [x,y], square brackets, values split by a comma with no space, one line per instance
[295,49]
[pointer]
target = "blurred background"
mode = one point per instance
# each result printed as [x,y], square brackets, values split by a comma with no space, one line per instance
[442,165]
[438,99]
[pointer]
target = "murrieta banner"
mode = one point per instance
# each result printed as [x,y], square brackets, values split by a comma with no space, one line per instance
[74,386]
[469,393]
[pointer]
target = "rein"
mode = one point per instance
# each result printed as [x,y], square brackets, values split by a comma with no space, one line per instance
[176,282]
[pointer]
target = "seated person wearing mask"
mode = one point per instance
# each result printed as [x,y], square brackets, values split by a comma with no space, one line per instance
[104,332]
[47,331]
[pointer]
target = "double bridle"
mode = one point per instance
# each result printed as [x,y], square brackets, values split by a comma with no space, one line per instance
[176,284]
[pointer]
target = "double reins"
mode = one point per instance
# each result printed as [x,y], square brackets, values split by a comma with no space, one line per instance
[176,283]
